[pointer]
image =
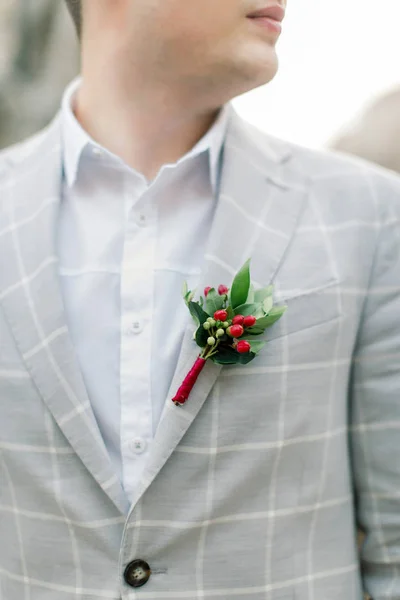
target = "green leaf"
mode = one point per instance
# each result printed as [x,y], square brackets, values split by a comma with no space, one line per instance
[254,331]
[260,295]
[229,356]
[247,309]
[225,359]
[250,296]
[259,312]
[274,315]
[189,297]
[246,358]
[256,346]
[241,285]
[213,302]
[231,312]
[268,304]
[201,301]
[186,293]
[197,313]
[278,310]
[202,336]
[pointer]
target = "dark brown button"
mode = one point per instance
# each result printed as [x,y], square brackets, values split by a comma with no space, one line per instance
[137,573]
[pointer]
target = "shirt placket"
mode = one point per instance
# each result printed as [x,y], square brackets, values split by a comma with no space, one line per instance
[137,305]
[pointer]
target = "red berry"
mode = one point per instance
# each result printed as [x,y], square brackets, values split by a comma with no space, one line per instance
[243,347]
[238,320]
[220,315]
[206,290]
[222,289]
[235,331]
[249,321]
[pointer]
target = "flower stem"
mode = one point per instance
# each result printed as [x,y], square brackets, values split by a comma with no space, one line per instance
[209,350]
[188,383]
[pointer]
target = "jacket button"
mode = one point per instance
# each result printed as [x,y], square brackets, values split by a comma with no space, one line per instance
[137,573]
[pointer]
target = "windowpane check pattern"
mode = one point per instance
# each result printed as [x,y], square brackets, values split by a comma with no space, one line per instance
[255,488]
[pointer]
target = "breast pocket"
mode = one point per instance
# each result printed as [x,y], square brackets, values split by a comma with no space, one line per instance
[307,309]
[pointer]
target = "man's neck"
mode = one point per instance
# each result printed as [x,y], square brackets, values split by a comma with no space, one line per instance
[145,131]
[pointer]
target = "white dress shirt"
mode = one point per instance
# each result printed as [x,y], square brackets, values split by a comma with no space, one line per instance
[125,247]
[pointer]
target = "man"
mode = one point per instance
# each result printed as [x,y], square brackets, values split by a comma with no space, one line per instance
[254,488]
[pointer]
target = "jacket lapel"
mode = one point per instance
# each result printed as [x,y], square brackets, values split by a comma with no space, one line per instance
[260,203]
[31,299]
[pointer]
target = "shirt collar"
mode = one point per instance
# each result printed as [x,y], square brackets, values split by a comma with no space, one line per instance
[75,139]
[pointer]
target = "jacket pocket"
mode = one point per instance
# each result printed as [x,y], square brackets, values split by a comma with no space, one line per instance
[307,309]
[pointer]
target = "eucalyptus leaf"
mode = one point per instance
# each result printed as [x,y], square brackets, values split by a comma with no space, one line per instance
[268,304]
[278,310]
[250,296]
[274,315]
[241,285]
[260,295]
[247,309]
[259,312]
[197,313]
[213,302]
[256,346]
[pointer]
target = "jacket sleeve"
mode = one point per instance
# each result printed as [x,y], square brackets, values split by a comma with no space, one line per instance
[375,409]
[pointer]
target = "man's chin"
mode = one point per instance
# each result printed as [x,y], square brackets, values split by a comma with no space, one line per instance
[264,71]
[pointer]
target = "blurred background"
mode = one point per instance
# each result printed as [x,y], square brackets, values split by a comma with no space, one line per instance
[338,84]
[38,57]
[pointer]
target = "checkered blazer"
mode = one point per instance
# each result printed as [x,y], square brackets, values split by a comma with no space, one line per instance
[254,489]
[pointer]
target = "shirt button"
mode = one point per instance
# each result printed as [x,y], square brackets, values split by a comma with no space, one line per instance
[138,445]
[97,151]
[137,326]
[141,219]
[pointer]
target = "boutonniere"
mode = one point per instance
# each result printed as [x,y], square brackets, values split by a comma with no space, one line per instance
[228,321]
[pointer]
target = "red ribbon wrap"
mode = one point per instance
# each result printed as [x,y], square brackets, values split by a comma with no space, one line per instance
[188,383]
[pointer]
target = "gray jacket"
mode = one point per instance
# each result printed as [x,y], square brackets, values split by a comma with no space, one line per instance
[254,488]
